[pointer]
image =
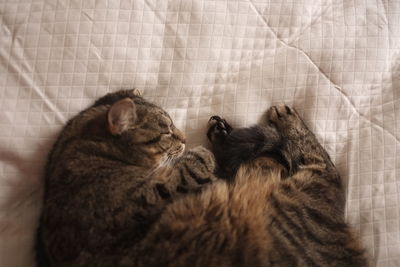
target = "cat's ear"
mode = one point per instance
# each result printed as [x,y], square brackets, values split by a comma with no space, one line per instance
[135,92]
[121,116]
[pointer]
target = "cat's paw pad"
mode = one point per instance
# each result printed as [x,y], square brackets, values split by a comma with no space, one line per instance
[282,115]
[287,122]
[279,112]
[218,129]
[134,92]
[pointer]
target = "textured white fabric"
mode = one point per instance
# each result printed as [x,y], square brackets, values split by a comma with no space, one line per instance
[337,62]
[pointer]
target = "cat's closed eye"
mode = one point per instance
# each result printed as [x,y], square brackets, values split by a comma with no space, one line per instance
[153,141]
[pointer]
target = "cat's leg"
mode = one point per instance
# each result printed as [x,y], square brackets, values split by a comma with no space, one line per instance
[235,146]
[302,147]
[218,130]
[310,164]
[308,207]
[196,167]
[187,174]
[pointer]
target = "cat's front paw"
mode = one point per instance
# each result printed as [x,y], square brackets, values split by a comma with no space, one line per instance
[280,113]
[285,119]
[218,129]
[202,155]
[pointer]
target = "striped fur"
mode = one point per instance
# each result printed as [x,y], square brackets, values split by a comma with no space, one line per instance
[127,199]
[106,185]
[283,207]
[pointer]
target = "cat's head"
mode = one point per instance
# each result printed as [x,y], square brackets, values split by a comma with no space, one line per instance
[144,130]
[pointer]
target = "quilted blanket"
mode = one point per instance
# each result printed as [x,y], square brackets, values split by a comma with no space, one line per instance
[336,62]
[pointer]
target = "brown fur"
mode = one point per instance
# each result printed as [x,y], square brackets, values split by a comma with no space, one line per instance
[238,224]
[110,175]
[111,200]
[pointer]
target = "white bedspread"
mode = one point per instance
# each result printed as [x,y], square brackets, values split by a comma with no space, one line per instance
[336,62]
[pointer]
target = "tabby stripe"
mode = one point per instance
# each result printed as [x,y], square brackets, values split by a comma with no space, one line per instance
[335,180]
[309,234]
[322,241]
[288,190]
[325,175]
[183,180]
[278,245]
[313,189]
[163,191]
[182,175]
[152,141]
[317,191]
[182,249]
[221,246]
[348,259]
[101,155]
[324,220]
[332,256]
[198,179]
[294,244]
[182,189]
[281,212]
[197,157]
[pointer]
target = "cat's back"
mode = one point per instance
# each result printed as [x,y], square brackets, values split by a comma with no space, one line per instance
[222,226]
[306,232]
[250,223]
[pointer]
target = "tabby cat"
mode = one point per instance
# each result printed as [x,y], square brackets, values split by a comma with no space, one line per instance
[121,191]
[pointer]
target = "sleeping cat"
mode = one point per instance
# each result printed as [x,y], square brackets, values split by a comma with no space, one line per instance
[121,191]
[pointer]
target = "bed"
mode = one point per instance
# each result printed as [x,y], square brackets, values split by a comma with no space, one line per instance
[336,62]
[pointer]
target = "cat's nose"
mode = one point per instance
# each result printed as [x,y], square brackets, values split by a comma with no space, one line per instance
[180,136]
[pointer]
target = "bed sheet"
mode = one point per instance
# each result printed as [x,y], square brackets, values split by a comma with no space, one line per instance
[336,62]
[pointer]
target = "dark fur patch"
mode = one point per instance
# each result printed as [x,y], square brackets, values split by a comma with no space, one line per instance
[246,144]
